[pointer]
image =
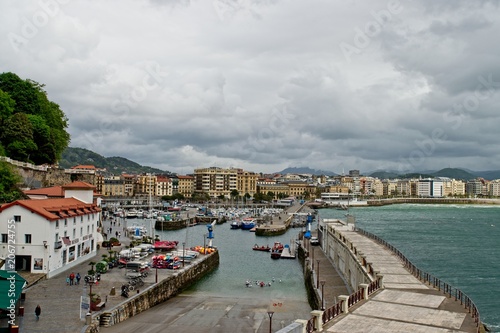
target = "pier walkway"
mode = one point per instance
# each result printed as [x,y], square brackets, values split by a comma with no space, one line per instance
[404,304]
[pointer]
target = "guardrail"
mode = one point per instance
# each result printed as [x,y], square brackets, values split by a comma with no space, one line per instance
[425,277]
[24,164]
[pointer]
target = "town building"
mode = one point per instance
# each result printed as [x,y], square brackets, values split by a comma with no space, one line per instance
[215,182]
[185,185]
[52,235]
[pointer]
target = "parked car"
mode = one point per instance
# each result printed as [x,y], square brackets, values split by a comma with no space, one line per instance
[314,241]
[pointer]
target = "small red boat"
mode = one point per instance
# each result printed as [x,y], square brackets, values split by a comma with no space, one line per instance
[261,248]
[277,250]
[165,245]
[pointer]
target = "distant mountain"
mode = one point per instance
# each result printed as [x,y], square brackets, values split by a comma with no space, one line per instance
[446,172]
[115,165]
[489,175]
[454,173]
[306,170]
[384,174]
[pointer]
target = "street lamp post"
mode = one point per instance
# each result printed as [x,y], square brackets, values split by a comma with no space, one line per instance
[183,253]
[91,282]
[312,258]
[204,243]
[322,295]
[270,314]
[317,273]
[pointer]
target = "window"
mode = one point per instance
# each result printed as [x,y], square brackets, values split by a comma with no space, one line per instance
[74,220]
[57,224]
[65,222]
[17,218]
[88,229]
[57,237]
[5,238]
[81,231]
[65,234]
[74,233]
[81,219]
[27,238]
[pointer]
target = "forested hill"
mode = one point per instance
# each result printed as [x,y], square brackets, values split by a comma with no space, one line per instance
[32,128]
[116,165]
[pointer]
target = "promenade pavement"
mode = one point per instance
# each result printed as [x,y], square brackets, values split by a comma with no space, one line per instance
[404,305]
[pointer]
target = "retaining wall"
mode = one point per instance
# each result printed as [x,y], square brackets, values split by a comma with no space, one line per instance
[156,294]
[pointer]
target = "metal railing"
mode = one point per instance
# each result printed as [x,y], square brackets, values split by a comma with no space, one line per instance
[425,277]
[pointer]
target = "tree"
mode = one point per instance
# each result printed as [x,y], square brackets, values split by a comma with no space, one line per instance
[234,194]
[7,105]
[8,183]
[48,121]
[22,92]
[17,137]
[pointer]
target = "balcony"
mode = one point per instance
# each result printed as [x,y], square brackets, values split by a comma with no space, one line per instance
[57,245]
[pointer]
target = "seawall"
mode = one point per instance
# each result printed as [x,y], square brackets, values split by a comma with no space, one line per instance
[156,294]
[450,201]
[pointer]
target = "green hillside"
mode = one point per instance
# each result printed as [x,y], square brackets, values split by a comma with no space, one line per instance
[115,165]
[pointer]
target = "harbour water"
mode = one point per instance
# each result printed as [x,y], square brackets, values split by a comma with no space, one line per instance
[239,263]
[459,244]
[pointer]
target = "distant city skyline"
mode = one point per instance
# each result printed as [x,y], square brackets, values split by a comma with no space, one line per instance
[266,85]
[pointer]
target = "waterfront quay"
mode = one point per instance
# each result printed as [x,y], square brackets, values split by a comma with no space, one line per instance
[393,294]
[60,302]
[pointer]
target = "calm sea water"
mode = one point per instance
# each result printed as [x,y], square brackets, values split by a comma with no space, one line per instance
[239,263]
[459,244]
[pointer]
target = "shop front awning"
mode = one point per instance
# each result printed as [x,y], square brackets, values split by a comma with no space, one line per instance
[11,286]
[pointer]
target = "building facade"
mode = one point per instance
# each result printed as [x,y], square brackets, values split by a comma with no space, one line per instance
[51,235]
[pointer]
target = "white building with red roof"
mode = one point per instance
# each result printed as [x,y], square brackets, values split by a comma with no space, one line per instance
[52,235]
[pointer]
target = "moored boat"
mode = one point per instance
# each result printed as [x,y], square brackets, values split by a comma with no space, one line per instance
[165,245]
[248,224]
[276,250]
[261,248]
[236,225]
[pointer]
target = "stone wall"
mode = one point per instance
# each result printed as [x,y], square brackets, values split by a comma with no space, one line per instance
[157,293]
[350,262]
[36,178]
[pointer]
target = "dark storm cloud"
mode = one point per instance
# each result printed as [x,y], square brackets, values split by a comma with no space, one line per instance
[266,84]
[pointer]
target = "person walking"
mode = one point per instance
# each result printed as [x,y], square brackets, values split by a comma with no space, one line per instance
[78,277]
[71,278]
[38,311]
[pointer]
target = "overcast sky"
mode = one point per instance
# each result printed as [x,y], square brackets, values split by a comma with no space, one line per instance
[268,84]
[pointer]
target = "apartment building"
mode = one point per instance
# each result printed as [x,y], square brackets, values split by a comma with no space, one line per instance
[185,185]
[215,181]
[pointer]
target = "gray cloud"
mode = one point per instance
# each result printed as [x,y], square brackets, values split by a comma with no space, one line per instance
[266,84]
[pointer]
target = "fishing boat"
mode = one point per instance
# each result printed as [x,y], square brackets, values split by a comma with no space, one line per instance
[247,224]
[276,250]
[236,225]
[261,248]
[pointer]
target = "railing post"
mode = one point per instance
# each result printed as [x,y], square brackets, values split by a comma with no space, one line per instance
[318,318]
[345,306]
[365,290]
[380,278]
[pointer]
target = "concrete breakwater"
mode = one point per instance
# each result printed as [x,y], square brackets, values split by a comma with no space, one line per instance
[451,201]
[155,294]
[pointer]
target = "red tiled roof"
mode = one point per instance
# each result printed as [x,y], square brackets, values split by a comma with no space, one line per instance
[54,191]
[90,167]
[51,209]
[78,184]
[185,177]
